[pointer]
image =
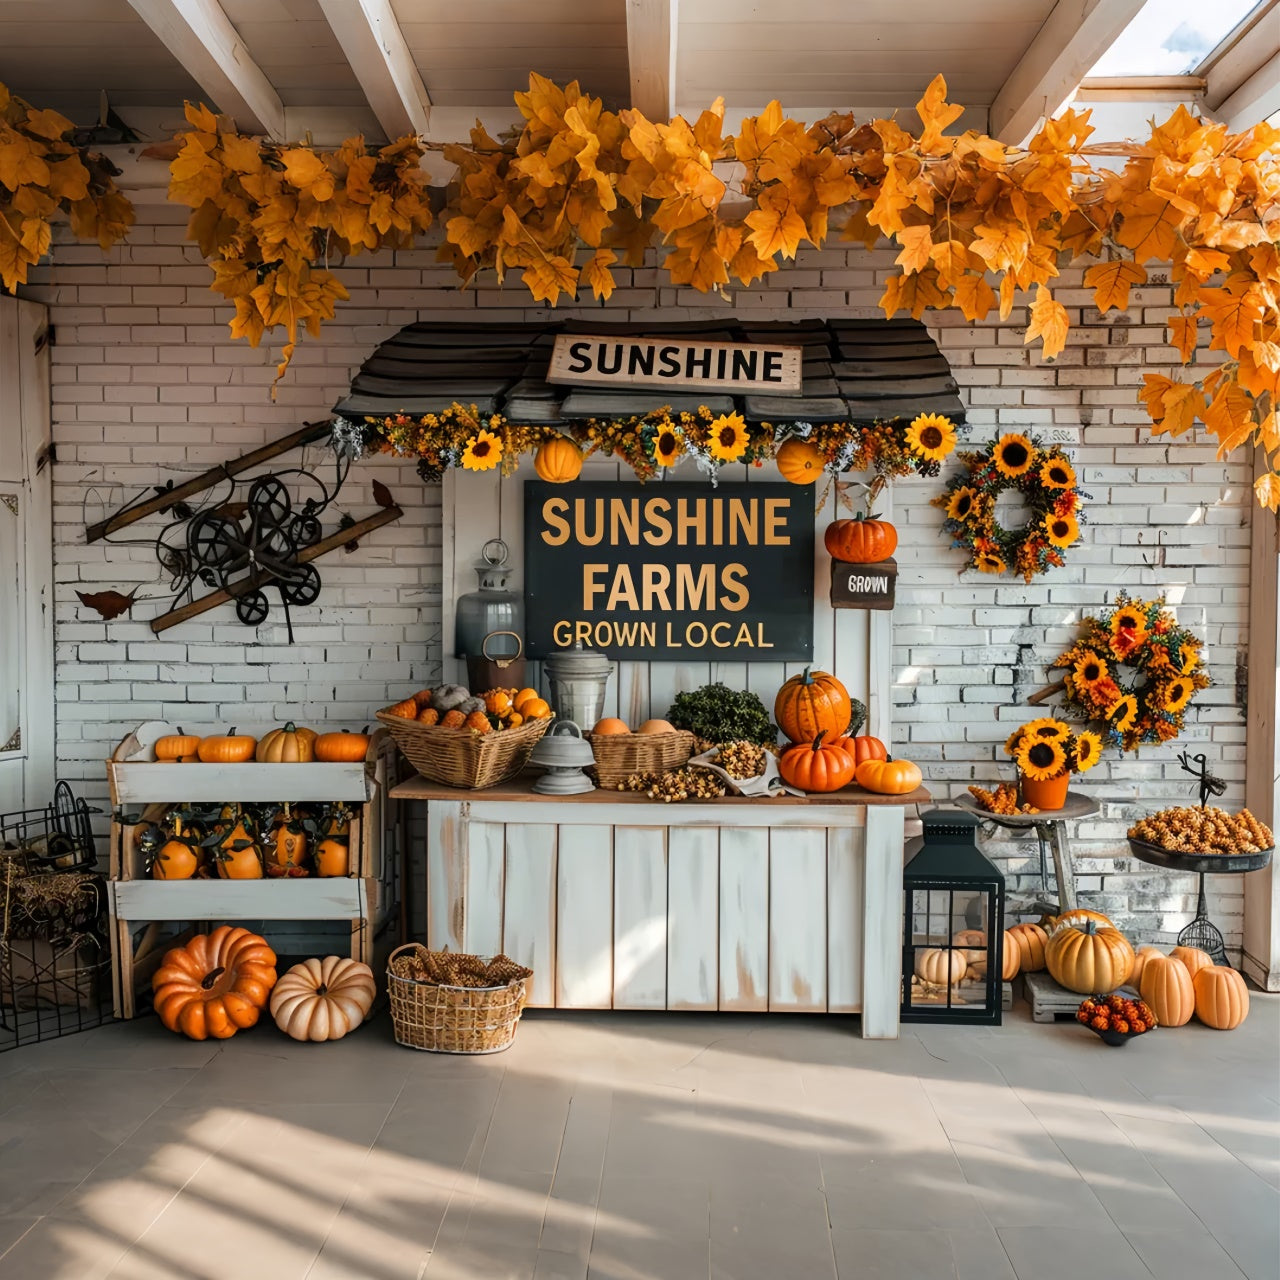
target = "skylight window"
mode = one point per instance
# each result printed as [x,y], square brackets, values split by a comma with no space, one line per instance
[1171,37]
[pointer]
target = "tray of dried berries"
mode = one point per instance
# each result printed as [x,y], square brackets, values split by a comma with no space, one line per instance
[1177,860]
[1204,838]
[1115,1019]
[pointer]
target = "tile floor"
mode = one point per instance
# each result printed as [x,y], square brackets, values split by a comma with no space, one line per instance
[638,1147]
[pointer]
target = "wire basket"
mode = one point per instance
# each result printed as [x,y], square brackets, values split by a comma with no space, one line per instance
[443,1018]
[462,757]
[620,755]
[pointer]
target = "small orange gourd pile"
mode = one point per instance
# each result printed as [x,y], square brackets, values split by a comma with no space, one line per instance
[453,707]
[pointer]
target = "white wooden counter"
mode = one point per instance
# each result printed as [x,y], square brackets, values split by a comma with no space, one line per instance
[617,901]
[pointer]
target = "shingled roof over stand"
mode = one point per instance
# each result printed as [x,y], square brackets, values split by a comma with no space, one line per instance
[854,371]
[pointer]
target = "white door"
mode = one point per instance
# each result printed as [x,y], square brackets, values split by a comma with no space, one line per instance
[26,559]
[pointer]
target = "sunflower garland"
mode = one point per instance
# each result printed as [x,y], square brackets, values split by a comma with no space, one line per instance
[1047,482]
[1147,702]
[1047,748]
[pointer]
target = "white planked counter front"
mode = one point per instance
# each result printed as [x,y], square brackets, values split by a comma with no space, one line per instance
[616,901]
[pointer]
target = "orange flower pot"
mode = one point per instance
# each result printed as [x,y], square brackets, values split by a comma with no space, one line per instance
[1050,794]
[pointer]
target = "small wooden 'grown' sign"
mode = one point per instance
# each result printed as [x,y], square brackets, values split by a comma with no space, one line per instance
[863,586]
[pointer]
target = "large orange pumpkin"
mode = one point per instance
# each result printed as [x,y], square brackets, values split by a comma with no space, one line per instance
[1031,940]
[1087,958]
[816,766]
[1222,999]
[861,540]
[558,461]
[216,984]
[889,777]
[799,461]
[1166,987]
[1076,916]
[1192,958]
[812,703]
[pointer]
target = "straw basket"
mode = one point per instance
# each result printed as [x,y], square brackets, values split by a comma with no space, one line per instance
[448,1019]
[619,755]
[462,757]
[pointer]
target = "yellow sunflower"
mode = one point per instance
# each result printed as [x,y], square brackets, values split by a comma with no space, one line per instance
[1062,530]
[1041,760]
[932,436]
[1013,742]
[483,452]
[1128,630]
[667,448]
[1189,656]
[1046,728]
[1089,671]
[989,563]
[1014,456]
[1176,694]
[727,436]
[1123,712]
[960,507]
[1088,751]
[1057,473]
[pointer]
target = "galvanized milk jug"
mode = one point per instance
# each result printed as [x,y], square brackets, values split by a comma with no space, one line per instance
[578,678]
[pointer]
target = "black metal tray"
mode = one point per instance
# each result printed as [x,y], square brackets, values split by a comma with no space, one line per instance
[1209,862]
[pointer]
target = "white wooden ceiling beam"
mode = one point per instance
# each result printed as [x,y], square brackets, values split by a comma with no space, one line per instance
[1074,36]
[375,47]
[652,28]
[200,35]
[1253,101]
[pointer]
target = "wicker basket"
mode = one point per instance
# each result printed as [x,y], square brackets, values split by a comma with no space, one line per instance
[461,757]
[445,1019]
[619,755]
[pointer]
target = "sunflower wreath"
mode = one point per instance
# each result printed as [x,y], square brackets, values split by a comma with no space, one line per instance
[1047,482]
[1134,670]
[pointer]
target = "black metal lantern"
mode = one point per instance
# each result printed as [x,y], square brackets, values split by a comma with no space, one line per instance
[953,926]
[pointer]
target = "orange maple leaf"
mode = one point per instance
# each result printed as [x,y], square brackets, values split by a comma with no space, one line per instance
[914,293]
[1182,334]
[974,296]
[1234,309]
[1150,227]
[1230,416]
[916,244]
[596,273]
[936,113]
[1111,281]
[776,227]
[1049,322]
[1267,490]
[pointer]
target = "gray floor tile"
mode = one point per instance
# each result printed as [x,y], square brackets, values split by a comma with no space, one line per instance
[1184,1255]
[1054,1253]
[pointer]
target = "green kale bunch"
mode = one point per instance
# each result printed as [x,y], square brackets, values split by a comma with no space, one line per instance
[720,714]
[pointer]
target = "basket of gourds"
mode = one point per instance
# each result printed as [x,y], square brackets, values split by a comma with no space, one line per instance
[461,740]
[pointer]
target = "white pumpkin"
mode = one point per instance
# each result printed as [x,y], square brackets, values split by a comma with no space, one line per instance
[323,999]
[939,966]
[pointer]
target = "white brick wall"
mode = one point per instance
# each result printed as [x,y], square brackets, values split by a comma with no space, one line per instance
[147,386]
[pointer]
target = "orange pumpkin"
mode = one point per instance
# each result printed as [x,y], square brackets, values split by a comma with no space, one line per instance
[861,540]
[238,856]
[657,726]
[1076,916]
[1011,958]
[288,745]
[216,984]
[453,719]
[1166,986]
[558,460]
[534,708]
[1140,960]
[1222,999]
[816,767]
[865,747]
[525,695]
[288,840]
[428,715]
[1192,958]
[498,702]
[407,710]
[333,853]
[177,746]
[1087,957]
[812,703]
[176,859]
[1030,940]
[478,721]
[227,748]
[889,777]
[799,461]
[342,748]
[611,724]
[514,720]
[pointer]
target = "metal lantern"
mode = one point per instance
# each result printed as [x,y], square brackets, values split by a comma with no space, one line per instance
[953,926]
[564,753]
[489,625]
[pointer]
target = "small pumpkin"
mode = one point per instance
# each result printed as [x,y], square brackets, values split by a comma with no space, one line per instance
[238,856]
[333,852]
[862,540]
[287,745]
[811,703]
[514,720]
[449,696]
[1088,957]
[342,748]
[889,777]
[1222,998]
[1140,959]
[323,999]
[865,747]
[230,748]
[288,840]
[428,715]
[177,746]
[478,721]
[799,461]
[176,859]
[940,967]
[1031,940]
[535,709]
[406,710]
[558,460]
[525,695]
[657,726]
[453,719]
[1193,959]
[611,725]
[816,767]
[498,702]
[1166,987]
[1011,958]
[216,984]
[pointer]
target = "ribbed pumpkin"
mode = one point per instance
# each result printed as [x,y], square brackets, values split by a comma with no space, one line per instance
[861,540]
[1140,959]
[1222,999]
[216,984]
[812,703]
[816,767]
[1012,958]
[940,967]
[865,747]
[1078,914]
[1166,987]
[558,461]
[1088,958]
[889,777]
[1193,959]
[287,745]
[799,461]
[1031,939]
[323,999]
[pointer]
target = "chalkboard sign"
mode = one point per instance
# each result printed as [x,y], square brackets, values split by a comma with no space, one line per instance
[670,572]
[863,586]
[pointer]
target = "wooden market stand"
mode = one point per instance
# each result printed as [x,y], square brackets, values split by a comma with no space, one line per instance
[615,901]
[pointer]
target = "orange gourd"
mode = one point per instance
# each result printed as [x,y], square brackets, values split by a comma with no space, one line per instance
[177,746]
[176,859]
[498,702]
[812,703]
[558,460]
[799,461]
[1192,958]
[865,747]
[323,999]
[889,777]
[525,695]
[216,984]
[407,710]
[342,748]
[1167,988]
[534,708]
[1088,957]
[333,853]
[861,540]
[610,725]
[428,715]
[288,840]
[816,767]
[287,745]
[227,748]
[514,720]
[478,721]
[453,719]
[1030,940]
[238,856]
[657,726]
[1222,999]
[1140,960]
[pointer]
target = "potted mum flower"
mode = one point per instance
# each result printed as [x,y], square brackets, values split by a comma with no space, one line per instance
[1047,753]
